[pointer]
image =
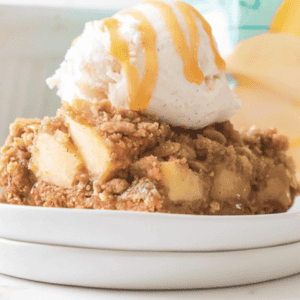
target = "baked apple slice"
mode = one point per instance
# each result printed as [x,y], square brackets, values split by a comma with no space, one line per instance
[184,184]
[55,159]
[92,148]
[228,184]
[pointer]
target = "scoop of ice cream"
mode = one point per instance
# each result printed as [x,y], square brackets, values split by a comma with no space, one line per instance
[159,57]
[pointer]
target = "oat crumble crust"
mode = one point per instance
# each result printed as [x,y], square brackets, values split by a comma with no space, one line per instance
[139,145]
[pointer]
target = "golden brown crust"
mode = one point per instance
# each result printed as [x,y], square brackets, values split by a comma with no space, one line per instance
[15,177]
[139,143]
[51,125]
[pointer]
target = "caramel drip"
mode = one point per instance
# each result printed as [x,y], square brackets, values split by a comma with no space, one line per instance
[190,13]
[147,85]
[119,49]
[189,56]
[287,18]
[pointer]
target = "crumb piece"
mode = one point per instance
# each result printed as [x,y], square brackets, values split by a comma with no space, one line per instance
[214,206]
[167,149]
[148,167]
[141,196]
[116,186]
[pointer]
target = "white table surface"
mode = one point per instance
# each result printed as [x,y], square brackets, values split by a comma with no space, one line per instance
[15,289]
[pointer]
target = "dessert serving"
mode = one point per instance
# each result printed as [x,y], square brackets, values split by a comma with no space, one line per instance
[145,126]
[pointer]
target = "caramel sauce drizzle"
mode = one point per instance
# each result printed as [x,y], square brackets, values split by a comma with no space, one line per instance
[140,90]
[189,56]
[148,82]
[119,49]
[191,14]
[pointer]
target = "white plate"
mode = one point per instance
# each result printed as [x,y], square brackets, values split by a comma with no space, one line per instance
[146,270]
[124,230]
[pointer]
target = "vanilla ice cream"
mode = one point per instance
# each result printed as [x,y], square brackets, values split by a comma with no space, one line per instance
[159,57]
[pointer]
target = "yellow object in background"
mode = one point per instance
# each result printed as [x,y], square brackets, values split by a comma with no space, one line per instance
[287,18]
[264,108]
[272,60]
[267,70]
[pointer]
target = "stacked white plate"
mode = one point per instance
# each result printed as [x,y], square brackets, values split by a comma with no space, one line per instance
[130,250]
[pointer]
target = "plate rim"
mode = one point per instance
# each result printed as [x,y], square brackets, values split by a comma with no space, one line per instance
[144,231]
[170,261]
[151,214]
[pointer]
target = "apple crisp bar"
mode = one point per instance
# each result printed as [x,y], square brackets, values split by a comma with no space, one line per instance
[95,156]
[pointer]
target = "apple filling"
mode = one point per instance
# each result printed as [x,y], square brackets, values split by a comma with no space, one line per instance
[183,183]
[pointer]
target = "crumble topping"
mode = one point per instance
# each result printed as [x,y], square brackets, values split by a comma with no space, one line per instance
[222,170]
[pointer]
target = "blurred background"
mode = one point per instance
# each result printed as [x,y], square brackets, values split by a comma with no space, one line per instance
[35,36]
